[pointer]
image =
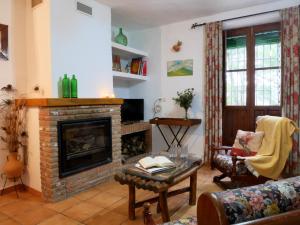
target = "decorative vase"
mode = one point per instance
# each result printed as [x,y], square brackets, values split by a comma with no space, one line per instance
[74,87]
[66,86]
[121,38]
[186,114]
[13,166]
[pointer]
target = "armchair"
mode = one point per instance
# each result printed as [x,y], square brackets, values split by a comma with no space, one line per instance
[269,161]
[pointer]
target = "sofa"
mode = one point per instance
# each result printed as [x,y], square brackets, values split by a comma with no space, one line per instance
[276,202]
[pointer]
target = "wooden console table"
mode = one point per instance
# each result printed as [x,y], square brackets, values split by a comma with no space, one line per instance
[175,122]
[160,183]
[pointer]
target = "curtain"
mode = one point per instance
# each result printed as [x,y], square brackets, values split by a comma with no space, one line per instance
[290,79]
[213,86]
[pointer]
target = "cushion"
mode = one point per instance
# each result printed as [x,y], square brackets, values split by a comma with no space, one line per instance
[250,203]
[241,152]
[184,221]
[248,141]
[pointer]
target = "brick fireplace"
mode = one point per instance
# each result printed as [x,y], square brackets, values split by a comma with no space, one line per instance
[56,112]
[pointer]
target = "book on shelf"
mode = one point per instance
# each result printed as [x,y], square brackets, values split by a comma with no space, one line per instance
[139,66]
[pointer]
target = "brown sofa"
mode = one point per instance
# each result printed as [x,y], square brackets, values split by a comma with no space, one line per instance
[271,203]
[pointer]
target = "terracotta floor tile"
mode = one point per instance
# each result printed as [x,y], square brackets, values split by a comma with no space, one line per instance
[121,190]
[7,198]
[59,219]
[109,218]
[9,222]
[104,199]
[87,194]
[19,206]
[82,211]
[34,216]
[105,204]
[3,217]
[62,205]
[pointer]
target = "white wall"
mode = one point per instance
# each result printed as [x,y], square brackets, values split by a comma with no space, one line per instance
[81,45]
[193,48]
[13,71]
[38,48]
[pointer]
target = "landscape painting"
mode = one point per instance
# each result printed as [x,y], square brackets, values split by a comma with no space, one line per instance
[179,68]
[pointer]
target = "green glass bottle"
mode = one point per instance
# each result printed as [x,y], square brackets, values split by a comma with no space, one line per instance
[121,38]
[73,87]
[66,87]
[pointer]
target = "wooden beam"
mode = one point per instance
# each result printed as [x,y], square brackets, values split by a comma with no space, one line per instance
[61,102]
[35,2]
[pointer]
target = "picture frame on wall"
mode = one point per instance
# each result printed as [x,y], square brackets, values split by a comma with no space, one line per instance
[180,68]
[3,42]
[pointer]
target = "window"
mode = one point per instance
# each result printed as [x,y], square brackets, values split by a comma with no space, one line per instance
[267,68]
[236,70]
[252,72]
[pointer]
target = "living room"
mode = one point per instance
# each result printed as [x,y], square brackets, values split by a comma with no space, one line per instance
[90,88]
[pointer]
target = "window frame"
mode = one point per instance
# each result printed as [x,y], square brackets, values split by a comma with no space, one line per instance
[249,32]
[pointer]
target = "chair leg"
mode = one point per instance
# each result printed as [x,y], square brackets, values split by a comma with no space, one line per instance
[23,186]
[15,186]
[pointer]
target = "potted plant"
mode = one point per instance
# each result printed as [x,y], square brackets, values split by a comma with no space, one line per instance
[185,99]
[12,130]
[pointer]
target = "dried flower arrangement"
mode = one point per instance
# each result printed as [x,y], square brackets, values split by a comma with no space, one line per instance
[12,118]
[185,99]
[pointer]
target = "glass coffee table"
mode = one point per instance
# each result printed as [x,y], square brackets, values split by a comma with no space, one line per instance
[160,184]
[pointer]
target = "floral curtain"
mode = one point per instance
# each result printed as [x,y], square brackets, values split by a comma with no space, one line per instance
[290,81]
[213,86]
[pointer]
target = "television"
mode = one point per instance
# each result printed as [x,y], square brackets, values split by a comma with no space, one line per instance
[132,110]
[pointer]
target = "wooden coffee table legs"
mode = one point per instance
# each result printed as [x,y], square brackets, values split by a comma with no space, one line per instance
[131,205]
[193,189]
[162,198]
[164,206]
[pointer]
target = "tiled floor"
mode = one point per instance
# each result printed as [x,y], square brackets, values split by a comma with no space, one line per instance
[104,204]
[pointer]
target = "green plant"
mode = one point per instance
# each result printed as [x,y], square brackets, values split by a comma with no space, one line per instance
[185,99]
[12,118]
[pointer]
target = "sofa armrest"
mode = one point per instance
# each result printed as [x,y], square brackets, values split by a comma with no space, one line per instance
[210,210]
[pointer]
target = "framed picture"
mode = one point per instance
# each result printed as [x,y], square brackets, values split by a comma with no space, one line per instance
[178,68]
[3,42]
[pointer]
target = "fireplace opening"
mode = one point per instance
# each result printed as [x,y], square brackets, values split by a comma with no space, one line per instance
[83,144]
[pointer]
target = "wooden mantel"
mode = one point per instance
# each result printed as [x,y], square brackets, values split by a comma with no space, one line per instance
[61,102]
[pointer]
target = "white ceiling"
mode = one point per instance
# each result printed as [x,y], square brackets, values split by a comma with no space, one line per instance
[138,14]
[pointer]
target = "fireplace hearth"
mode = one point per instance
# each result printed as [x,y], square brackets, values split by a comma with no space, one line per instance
[83,144]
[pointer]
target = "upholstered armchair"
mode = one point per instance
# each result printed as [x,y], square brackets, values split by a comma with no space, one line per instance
[267,162]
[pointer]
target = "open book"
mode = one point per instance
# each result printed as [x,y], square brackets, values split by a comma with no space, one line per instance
[157,161]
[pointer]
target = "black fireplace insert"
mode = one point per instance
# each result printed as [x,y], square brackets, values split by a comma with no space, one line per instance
[83,144]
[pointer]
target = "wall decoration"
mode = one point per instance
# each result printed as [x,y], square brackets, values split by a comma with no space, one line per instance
[3,42]
[179,68]
[177,46]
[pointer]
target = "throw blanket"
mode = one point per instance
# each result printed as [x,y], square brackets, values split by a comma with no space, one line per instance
[275,148]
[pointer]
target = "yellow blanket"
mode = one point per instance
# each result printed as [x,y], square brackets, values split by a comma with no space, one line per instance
[275,148]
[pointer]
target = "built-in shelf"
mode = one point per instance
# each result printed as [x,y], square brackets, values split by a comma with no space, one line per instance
[126,52]
[129,76]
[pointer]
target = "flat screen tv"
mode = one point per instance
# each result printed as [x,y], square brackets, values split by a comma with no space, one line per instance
[132,110]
